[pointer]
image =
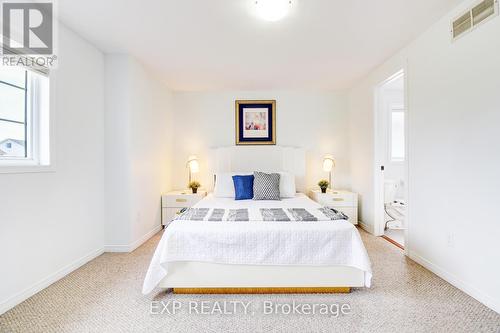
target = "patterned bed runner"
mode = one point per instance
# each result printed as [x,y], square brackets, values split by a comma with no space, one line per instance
[274,214]
[193,214]
[301,214]
[238,215]
[267,214]
[217,215]
[333,214]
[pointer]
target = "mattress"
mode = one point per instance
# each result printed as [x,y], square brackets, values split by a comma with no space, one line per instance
[257,242]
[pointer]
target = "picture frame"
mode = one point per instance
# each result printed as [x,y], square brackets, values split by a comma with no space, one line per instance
[255,122]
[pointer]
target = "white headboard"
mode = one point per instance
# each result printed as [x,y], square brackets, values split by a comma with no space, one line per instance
[260,158]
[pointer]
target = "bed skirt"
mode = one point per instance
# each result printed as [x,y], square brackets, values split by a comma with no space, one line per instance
[209,278]
[275,290]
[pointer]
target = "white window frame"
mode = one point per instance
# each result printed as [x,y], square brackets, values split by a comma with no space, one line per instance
[394,108]
[39,122]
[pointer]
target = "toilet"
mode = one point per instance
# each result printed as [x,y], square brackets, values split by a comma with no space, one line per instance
[394,209]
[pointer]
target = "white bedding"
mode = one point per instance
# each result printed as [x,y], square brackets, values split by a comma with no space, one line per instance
[257,242]
[254,206]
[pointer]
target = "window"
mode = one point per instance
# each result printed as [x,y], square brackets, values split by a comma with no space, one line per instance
[397,135]
[23,117]
[13,96]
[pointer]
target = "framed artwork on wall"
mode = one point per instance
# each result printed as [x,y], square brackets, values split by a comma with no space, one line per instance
[255,122]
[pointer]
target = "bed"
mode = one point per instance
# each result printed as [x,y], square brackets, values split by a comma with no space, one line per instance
[261,252]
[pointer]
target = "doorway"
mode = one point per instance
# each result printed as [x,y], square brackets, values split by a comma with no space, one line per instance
[391,158]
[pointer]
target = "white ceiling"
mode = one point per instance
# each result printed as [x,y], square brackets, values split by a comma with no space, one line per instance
[220,44]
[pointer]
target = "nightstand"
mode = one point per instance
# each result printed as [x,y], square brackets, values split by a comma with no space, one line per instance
[173,202]
[344,201]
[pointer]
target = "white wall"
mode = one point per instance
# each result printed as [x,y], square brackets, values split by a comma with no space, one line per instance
[362,136]
[114,151]
[50,223]
[454,187]
[118,211]
[139,148]
[151,149]
[316,121]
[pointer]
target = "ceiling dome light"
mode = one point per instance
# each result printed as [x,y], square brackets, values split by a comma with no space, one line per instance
[272,10]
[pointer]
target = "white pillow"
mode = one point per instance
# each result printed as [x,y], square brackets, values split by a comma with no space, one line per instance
[224,186]
[287,185]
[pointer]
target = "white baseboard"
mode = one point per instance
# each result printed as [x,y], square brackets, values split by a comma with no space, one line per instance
[35,288]
[44,283]
[131,247]
[452,279]
[144,238]
[117,248]
[366,227]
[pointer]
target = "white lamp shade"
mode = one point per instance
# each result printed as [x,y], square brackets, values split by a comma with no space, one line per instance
[328,163]
[193,164]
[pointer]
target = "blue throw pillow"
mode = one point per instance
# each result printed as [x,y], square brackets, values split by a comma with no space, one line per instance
[243,187]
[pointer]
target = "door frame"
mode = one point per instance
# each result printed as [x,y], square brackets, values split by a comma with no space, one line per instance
[381,151]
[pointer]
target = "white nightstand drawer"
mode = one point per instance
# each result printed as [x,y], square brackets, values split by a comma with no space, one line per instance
[173,202]
[181,200]
[336,199]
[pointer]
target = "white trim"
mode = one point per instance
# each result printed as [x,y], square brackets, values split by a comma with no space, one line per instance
[366,227]
[26,168]
[378,200]
[33,118]
[35,163]
[117,248]
[456,282]
[131,247]
[144,238]
[44,283]
[407,155]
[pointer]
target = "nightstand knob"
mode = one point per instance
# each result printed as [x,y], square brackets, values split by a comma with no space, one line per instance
[338,199]
[180,200]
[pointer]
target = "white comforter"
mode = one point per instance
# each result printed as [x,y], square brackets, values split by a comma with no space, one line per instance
[257,242]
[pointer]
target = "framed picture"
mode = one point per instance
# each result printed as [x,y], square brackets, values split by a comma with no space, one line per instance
[256,122]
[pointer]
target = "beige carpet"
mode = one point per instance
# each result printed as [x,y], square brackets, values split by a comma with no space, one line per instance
[104,296]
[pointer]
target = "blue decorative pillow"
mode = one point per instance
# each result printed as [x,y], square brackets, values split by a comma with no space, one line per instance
[243,187]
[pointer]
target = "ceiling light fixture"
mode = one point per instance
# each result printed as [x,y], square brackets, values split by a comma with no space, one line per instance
[272,10]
